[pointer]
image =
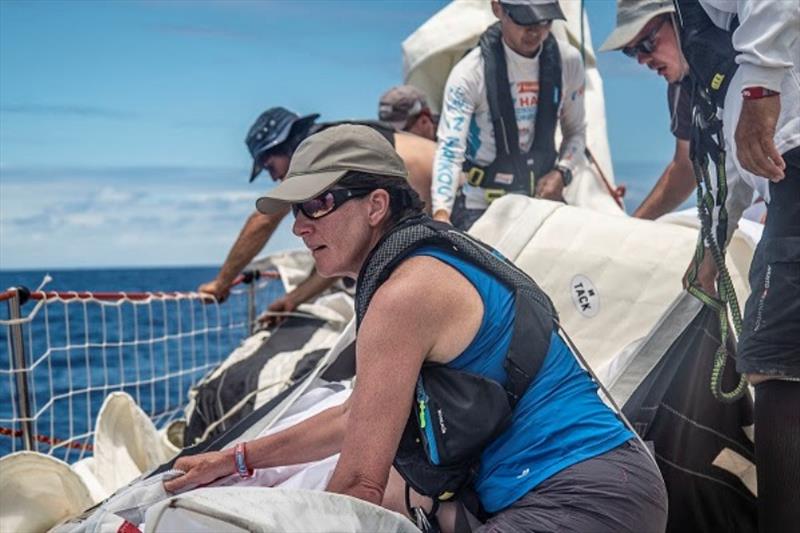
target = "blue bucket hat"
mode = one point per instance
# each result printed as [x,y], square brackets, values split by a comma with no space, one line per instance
[272,128]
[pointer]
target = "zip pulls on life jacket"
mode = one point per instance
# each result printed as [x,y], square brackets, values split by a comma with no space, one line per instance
[422,400]
[426,424]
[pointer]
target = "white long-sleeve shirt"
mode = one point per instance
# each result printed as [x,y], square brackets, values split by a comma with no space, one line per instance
[465,127]
[768,42]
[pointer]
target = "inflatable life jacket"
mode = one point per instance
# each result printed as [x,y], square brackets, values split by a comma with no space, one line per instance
[708,50]
[513,170]
[711,56]
[438,457]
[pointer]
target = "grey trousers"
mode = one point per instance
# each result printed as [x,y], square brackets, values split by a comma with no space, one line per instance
[616,492]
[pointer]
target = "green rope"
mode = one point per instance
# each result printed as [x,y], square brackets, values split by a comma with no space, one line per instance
[727,295]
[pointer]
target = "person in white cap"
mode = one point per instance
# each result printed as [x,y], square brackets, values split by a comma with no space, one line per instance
[485,400]
[406,109]
[502,103]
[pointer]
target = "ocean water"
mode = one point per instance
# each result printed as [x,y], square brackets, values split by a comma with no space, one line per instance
[77,353]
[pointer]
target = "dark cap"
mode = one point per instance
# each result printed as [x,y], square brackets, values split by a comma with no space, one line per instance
[271,129]
[529,12]
[401,103]
[326,157]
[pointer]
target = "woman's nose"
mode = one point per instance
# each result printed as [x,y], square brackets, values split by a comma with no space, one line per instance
[302,225]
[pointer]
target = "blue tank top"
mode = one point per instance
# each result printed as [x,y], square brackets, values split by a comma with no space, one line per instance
[558,422]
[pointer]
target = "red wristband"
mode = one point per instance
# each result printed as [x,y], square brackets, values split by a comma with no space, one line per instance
[240,461]
[754,93]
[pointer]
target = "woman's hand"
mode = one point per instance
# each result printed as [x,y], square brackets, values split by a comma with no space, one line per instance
[200,469]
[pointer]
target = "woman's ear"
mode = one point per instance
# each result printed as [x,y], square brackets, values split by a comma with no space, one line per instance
[379,208]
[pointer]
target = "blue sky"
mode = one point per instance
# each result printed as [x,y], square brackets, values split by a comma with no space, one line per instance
[122,122]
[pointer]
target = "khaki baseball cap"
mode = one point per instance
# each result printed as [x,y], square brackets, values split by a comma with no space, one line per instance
[632,16]
[324,158]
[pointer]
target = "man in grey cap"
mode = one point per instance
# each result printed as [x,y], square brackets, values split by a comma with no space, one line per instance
[645,32]
[502,104]
[563,462]
[406,109]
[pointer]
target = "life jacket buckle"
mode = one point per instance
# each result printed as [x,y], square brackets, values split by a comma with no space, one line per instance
[475,176]
[716,81]
[493,194]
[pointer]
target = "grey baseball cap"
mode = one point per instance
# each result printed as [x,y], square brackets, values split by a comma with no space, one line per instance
[399,104]
[632,16]
[324,158]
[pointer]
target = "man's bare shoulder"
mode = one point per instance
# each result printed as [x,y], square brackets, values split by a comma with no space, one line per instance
[417,153]
[409,144]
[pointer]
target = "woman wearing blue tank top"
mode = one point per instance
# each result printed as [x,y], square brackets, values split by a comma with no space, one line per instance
[430,297]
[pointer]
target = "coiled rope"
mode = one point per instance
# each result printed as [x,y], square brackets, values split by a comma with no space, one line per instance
[707,123]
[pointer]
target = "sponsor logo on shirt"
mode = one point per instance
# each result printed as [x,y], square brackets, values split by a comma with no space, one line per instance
[527,93]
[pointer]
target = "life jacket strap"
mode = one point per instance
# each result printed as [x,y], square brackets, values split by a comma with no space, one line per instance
[513,170]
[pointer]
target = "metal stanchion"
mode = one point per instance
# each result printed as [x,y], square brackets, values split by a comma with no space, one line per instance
[250,278]
[16,341]
[251,307]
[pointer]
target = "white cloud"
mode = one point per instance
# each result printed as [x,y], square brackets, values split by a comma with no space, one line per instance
[85,220]
[58,222]
[113,195]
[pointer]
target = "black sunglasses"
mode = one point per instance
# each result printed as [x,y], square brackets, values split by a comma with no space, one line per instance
[646,45]
[328,202]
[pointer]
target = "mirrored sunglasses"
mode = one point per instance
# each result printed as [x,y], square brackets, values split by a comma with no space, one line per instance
[328,202]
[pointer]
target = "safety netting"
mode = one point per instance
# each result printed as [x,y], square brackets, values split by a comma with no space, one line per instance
[62,353]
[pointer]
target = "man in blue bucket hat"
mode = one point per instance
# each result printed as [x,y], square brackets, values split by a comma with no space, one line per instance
[271,141]
[273,138]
